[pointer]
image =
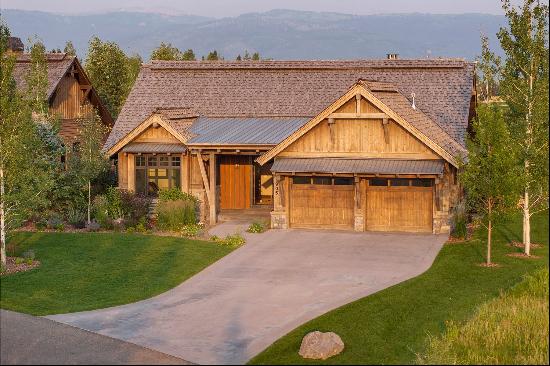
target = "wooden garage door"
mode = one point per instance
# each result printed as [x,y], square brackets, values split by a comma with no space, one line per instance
[399,205]
[322,202]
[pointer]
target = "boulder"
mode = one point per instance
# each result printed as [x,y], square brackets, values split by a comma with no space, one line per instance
[320,346]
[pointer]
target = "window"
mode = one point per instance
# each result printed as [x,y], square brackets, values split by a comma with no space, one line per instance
[343,181]
[301,180]
[422,182]
[378,182]
[156,172]
[399,182]
[327,181]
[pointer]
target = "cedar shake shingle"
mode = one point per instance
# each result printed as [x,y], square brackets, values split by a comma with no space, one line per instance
[255,89]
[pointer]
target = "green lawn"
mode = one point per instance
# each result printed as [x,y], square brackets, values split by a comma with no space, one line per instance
[84,271]
[392,326]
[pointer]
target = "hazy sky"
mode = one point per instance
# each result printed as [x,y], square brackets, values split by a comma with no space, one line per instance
[221,8]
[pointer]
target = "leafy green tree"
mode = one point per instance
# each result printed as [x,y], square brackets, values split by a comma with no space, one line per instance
[166,52]
[489,66]
[256,56]
[37,79]
[490,175]
[188,55]
[69,49]
[111,72]
[132,69]
[88,159]
[524,87]
[25,170]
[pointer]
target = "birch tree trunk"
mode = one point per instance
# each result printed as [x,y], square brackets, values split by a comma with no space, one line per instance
[526,224]
[2,218]
[89,200]
[489,234]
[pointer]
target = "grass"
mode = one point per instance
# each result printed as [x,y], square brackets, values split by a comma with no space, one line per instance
[85,271]
[509,330]
[392,326]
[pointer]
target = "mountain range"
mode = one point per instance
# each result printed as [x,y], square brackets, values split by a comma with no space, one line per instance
[277,34]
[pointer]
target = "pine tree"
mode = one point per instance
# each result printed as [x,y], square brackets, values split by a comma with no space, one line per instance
[69,49]
[524,87]
[213,56]
[256,56]
[239,58]
[188,55]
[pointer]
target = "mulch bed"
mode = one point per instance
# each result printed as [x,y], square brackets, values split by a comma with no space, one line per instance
[522,255]
[517,244]
[12,267]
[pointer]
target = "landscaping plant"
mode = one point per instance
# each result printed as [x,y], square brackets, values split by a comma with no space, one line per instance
[490,175]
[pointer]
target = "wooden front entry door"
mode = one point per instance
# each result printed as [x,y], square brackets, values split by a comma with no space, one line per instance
[235,181]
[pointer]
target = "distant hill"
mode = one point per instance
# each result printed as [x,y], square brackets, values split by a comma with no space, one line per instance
[278,34]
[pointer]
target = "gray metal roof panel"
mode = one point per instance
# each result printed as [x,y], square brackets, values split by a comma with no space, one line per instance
[240,130]
[357,166]
[152,147]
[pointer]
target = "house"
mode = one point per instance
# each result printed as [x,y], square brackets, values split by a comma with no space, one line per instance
[70,93]
[357,145]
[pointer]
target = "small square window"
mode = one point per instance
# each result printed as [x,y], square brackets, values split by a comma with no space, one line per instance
[422,182]
[301,180]
[164,161]
[152,161]
[327,181]
[176,161]
[399,182]
[378,182]
[140,160]
[343,181]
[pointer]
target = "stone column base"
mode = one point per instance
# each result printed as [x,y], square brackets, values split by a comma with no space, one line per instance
[279,220]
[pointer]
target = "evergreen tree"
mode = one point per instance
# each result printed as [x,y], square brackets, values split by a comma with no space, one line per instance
[69,49]
[490,175]
[213,56]
[256,56]
[239,58]
[524,87]
[188,55]
[246,56]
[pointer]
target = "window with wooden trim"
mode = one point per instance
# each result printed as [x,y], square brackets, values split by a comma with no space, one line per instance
[156,172]
[321,180]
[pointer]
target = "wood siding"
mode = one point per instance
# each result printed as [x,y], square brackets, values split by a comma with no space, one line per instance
[157,135]
[359,138]
[69,101]
[399,209]
[321,206]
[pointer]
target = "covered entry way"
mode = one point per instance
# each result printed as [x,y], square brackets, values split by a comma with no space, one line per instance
[322,202]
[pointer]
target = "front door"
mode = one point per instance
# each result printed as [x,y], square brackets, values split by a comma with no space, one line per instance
[235,181]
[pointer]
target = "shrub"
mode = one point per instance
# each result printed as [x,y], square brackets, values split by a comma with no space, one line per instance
[29,254]
[172,215]
[459,222]
[76,217]
[19,260]
[101,211]
[191,230]
[175,194]
[120,208]
[257,227]
[235,240]
[55,222]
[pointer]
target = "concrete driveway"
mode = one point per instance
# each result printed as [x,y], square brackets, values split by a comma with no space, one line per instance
[280,279]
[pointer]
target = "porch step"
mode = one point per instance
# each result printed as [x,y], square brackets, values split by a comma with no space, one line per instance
[246,215]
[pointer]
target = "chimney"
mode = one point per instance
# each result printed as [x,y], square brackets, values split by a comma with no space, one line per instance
[15,46]
[392,56]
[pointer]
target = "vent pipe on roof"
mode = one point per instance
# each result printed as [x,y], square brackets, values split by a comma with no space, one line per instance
[392,56]
[413,103]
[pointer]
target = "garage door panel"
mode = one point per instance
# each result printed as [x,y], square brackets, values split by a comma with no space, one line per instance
[321,206]
[399,209]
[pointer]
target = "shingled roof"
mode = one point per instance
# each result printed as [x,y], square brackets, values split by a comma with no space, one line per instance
[255,89]
[58,65]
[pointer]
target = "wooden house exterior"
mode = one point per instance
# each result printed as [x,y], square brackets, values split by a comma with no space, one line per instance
[355,145]
[70,93]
